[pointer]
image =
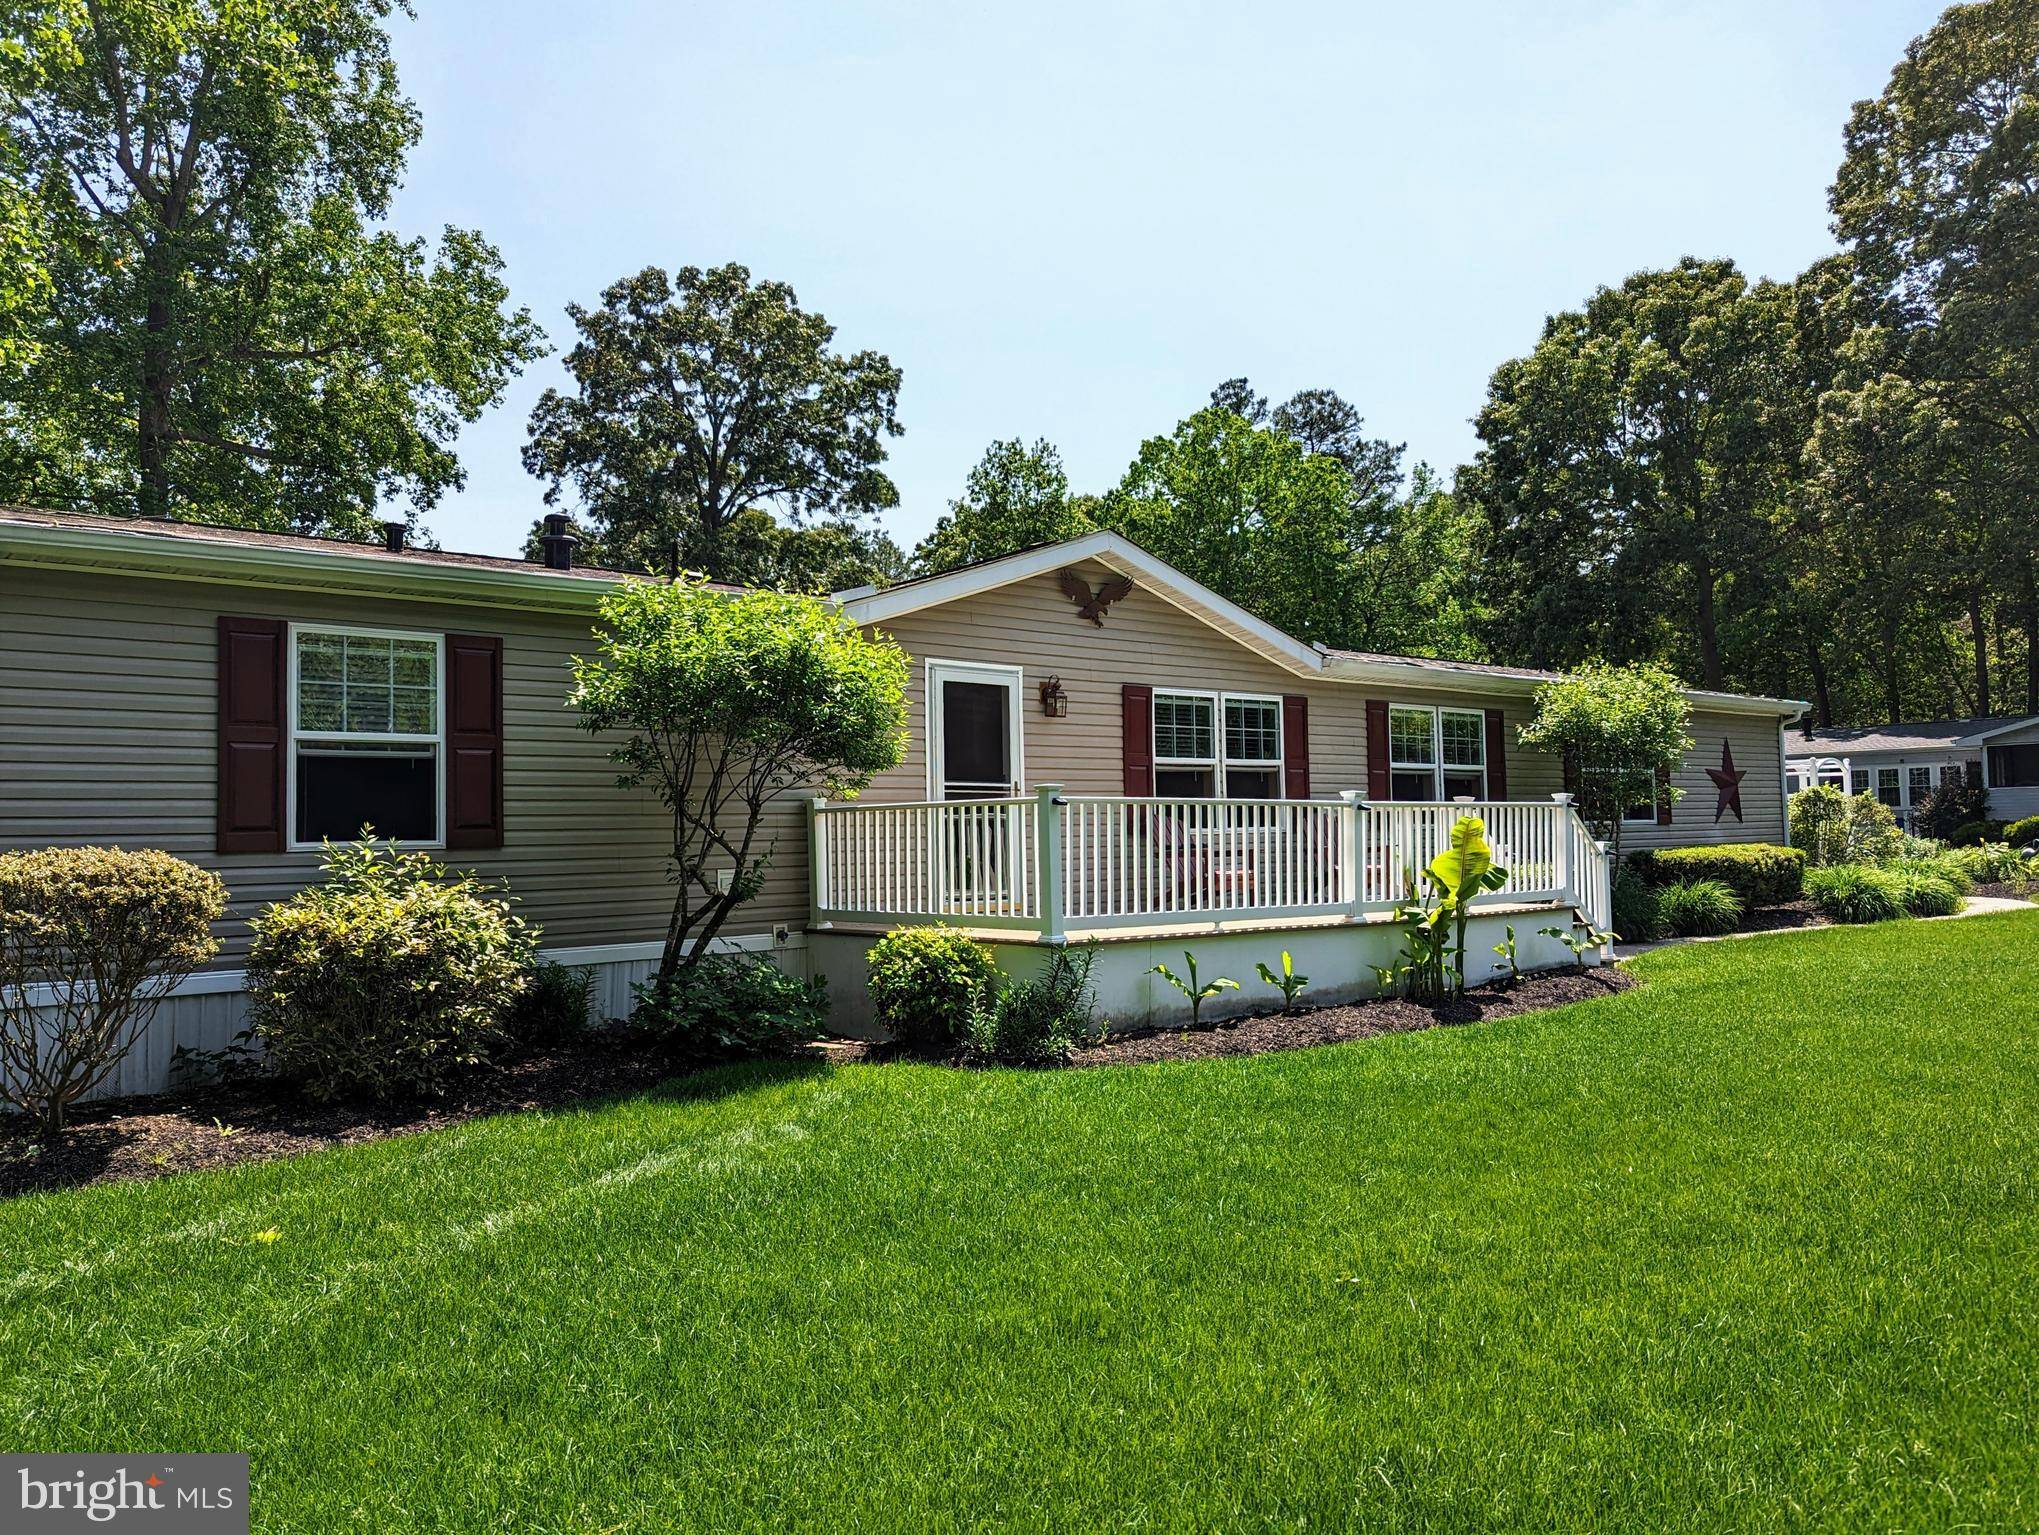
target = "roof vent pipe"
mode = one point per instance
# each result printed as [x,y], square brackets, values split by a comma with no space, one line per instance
[393,537]
[557,542]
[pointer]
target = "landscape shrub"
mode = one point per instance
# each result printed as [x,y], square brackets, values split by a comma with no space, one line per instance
[1969,834]
[1994,863]
[387,979]
[1947,867]
[554,1006]
[1039,1019]
[1853,892]
[1831,827]
[1957,800]
[1924,893]
[2023,833]
[1699,908]
[927,983]
[109,932]
[1761,873]
[731,1004]
[1637,914]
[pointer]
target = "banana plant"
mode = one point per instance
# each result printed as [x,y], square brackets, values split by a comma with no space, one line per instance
[1288,983]
[1460,873]
[1198,994]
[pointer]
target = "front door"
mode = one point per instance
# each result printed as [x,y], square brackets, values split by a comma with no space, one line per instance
[973,731]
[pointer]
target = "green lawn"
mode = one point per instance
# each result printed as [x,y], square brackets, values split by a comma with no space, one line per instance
[1753,1247]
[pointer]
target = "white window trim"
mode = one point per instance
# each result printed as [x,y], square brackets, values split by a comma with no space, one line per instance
[1218,762]
[1012,678]
[1436,766]
[436,740]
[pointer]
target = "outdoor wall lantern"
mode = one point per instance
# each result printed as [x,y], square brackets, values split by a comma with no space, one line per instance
[1054,702]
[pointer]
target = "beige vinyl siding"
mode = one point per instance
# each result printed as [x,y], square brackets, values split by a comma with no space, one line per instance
[107,734]
[1758,756]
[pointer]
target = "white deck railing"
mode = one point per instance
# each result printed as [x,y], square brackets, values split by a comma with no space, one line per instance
[1052,863]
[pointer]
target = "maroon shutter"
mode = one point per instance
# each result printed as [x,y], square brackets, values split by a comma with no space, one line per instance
[1663,796]
[1497,755]
[474,741]
[1377,779]
[1295,746]
[1136,739]
[249,814]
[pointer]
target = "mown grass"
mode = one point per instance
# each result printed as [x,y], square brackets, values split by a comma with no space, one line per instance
[1750,1248]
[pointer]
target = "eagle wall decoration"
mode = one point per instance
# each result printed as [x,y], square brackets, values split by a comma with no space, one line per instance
[1089,604]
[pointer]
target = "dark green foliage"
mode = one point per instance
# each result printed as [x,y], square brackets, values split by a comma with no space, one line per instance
[1637,916]
[387,979]
[555,1006]
[731,1005]
[106,930]
[1761,873]
[1015,497]
[1853,892]
[1926,892]
[928,983]
[1699,908]
[2024,833]
[1040,1019]
[1957,800]
[1968,834]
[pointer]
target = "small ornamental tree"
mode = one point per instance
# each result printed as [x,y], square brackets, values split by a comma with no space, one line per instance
[727,701]
[1618,728]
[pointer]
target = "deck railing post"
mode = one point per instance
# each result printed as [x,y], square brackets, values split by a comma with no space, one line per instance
[1565,839]
[1048,858]
[1352,852]
[818,898]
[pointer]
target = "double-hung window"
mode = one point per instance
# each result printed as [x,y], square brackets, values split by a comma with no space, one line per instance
[367,727]
[1436,754]
[1887,787]
[1217,745]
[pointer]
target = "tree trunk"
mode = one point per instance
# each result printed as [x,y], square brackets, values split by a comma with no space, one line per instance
[1709,633]
[1822,688]
[1978,631]
[1893,691]
[152,414]
[2031,594]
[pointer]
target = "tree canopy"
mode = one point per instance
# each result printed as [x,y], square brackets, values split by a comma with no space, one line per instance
[1618,729]
[1016,496]
[702,396]
[209,319]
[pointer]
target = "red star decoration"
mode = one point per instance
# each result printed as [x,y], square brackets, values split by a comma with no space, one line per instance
[1728,779]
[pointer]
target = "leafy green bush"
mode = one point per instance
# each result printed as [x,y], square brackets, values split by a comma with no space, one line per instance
[1969,834]
[2023,833]
[1761,873]
[1040,1019]
[387,979]
[1949,868]
[731,1004]
[1832,827]
[554,1006]
[1957,800]
[1699,908]
[1993,863]
[1637,915]
[1853,892]
[1924,893]
[108,932]
[927,983]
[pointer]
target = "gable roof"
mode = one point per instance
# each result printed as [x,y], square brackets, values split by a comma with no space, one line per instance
[876,605]
[1912,735]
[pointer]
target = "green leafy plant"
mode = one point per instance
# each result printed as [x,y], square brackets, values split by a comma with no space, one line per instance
[1957,800]
[927,983]
[731,1005]
[2023,833]
[1434,920]
[1851,892]
[1969,834]
[1198,992]
[1993,863]
[1832,827]
[387,979]
[554,1006]
[1699,908]
[1506,950]
[91,940]
[1582,938]
[1949,868]
[1619,730]
[1760,873]
[1638,916]
[1924,893]
[1288,983]
[1039,1019]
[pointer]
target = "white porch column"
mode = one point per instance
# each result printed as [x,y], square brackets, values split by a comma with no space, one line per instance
[1048,858]
[818,894]
[1352,852]
[1564,840]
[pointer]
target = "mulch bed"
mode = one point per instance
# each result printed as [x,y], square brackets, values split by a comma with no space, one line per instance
[1781,919]
[257,1120]
[2017,892]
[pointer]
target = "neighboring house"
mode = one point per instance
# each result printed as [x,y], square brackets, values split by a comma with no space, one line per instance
[1901,764]
[1151,766]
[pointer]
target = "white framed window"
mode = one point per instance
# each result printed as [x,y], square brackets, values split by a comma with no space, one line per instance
[1644,811]
[1920,785]
[1436,753]
[1858,780]
[367,735]
[1217,745]
[1887,788]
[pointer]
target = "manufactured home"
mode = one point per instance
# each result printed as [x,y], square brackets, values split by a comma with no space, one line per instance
[1101,749]
[1901,764]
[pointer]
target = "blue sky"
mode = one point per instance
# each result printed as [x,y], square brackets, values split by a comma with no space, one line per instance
[1070,221]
